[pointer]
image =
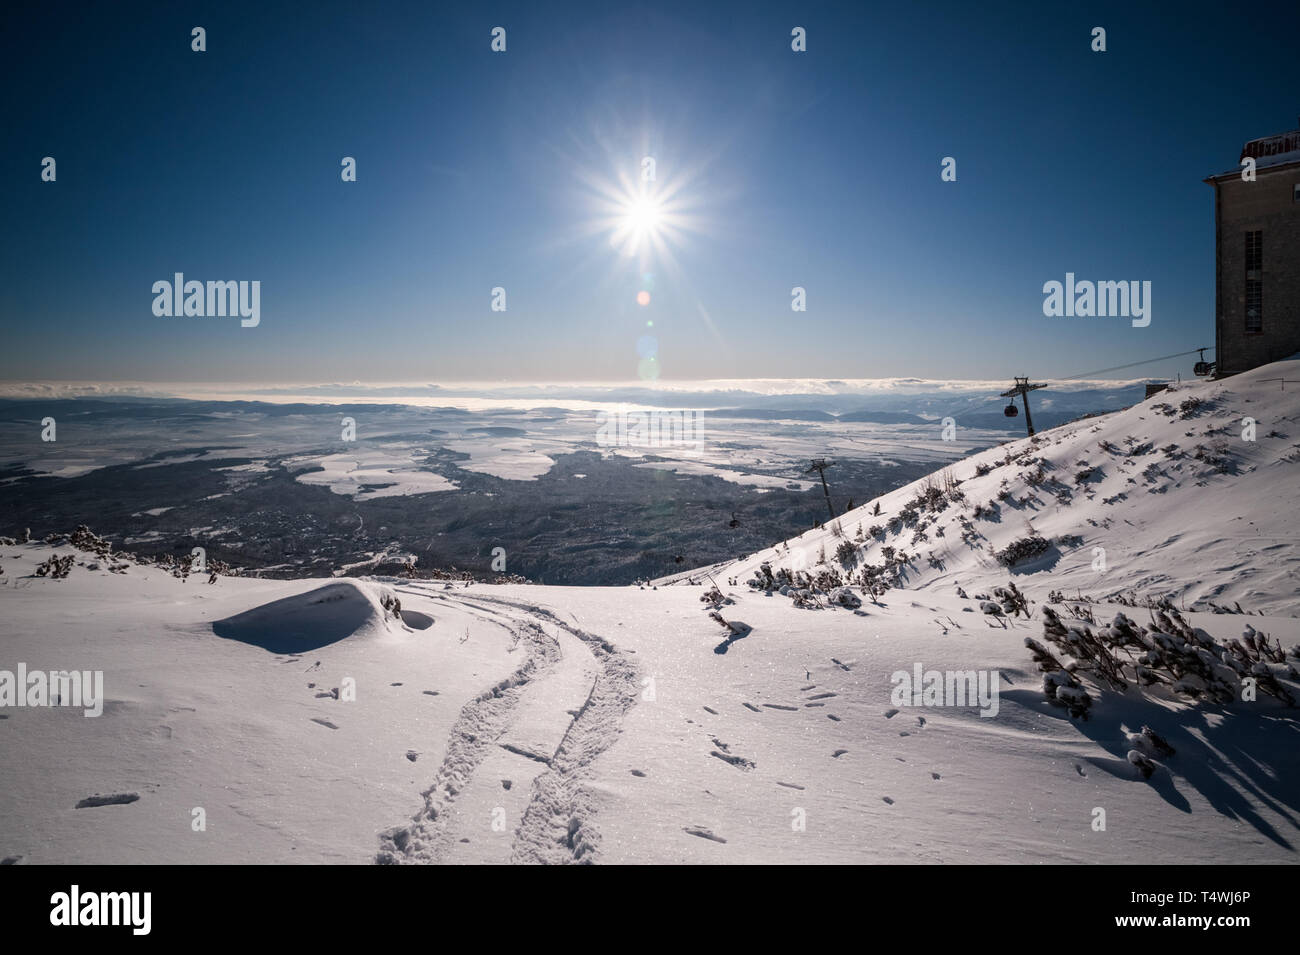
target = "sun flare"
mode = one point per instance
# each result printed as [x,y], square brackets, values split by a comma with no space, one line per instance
[643,214]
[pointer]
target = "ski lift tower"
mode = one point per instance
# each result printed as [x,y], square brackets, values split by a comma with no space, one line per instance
[1022,388]
[820,465]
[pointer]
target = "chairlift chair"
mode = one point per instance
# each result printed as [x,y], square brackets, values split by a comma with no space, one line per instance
[1011,410]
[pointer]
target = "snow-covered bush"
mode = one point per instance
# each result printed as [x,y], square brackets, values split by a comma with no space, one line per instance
[1060,685]
[83,538]
[1012,600]
[845,597]
[1172,654]
[1146,746]
[715,598]
[1026,548]
[1216,455]
[56,567]
[391,604]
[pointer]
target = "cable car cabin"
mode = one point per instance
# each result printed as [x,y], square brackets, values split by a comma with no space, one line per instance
[1202,368]
[1011,410]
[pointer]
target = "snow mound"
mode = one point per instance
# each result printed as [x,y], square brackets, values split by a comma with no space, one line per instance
[320,617]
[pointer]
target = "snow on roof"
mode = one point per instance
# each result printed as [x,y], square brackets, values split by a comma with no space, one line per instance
[1268,151]
[1271,146]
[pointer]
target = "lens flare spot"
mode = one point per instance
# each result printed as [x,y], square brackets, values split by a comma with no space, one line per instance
[647,369]
[643,297]
[647,346]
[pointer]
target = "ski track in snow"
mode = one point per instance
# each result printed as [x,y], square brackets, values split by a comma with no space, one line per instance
[558,825]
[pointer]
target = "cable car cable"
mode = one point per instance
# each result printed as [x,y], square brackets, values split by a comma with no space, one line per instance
[1134,364]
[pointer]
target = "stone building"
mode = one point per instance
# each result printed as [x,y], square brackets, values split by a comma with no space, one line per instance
[1257,255]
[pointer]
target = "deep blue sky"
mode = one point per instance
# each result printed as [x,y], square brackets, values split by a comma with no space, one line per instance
[818,169]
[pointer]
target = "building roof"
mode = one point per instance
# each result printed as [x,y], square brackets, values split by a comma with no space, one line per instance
[1281,149]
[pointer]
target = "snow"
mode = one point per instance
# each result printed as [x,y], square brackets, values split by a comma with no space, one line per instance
[767,481]
[377,474]
[564,724]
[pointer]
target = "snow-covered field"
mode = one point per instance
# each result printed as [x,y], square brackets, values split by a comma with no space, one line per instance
[313,721]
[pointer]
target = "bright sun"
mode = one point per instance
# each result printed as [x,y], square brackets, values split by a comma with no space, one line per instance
[646,219]
[642,215]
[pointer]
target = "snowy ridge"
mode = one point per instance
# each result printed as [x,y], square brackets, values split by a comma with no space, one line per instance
[1181,503]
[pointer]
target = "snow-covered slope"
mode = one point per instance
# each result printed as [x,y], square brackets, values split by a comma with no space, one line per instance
[321,721]
[1193,494]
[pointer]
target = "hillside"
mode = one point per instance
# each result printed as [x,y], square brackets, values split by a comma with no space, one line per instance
[1182,505]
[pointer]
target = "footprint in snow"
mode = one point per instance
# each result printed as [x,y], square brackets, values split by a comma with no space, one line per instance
[116,799]
[740,762]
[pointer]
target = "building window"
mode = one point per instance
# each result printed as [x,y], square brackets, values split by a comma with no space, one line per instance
[1295,192]
[1254,283]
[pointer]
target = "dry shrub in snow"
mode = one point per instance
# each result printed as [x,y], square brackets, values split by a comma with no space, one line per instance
[1171,653]
[56,567]
[1021,550]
